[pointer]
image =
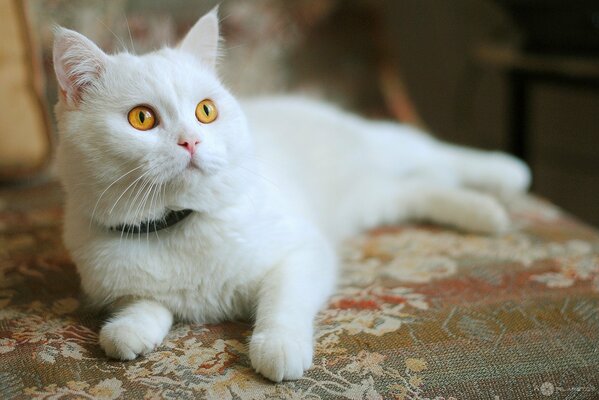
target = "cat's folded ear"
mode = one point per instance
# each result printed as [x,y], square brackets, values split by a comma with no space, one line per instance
[202,39]
[78,62]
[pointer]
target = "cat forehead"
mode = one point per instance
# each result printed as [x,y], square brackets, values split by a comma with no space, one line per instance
[162,69]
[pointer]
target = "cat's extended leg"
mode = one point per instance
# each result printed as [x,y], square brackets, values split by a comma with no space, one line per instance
[289,297]
[462,208]
[433,196]
[495,172]
[136,329]
[383,201]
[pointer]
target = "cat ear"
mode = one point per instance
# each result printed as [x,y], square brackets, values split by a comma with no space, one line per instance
[78,62]
[202,39]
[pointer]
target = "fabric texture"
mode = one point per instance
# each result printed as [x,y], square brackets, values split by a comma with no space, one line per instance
[421,312]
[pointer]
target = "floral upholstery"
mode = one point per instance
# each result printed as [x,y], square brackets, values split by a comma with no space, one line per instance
[421,312]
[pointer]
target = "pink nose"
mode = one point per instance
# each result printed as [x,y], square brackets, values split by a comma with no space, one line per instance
[189,144]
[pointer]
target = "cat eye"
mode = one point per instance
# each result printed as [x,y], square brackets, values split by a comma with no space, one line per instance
[206,111]
[142,118]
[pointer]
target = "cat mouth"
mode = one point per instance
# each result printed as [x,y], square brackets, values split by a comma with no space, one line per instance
[205,167]
[195,165]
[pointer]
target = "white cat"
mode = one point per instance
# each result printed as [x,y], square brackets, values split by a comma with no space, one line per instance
[180,202]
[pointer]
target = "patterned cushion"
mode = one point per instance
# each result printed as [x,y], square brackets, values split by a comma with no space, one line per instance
[421,312]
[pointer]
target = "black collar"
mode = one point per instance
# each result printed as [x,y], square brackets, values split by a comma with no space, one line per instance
[169,219]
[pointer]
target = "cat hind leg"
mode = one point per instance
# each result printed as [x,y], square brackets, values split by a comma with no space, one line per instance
[464,209]
[435,199]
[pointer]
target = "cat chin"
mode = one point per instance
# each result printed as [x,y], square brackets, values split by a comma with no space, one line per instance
[194,172]
[195,167]
[203,167]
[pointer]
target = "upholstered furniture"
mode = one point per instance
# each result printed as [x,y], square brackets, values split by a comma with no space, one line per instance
[24,131]
[421,311]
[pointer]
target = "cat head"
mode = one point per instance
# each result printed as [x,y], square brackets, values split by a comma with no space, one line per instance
[139,134]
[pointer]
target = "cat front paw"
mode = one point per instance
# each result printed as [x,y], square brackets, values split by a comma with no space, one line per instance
[281,355]
[124,340]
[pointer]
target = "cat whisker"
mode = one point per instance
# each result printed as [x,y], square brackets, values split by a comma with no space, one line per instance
[105,190]
[163,201]
[223,17]
[138,192]
[257,159]
[130,202]
[114,34]
[149,201]
[156,202]
[265,179]
[228,48]
[152,207]
[130,37]
[140,208]
[128,187]
[141,192]
[134,193]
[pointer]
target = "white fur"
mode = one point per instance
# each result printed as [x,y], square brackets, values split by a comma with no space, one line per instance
[274,193]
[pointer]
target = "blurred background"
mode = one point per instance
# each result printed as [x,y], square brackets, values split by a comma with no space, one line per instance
[515,75]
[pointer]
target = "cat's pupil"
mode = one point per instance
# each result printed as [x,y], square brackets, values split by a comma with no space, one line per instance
[142,117]
[206,110]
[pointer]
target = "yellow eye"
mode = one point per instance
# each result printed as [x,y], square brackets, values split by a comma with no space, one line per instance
[206,111]
[142,118]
